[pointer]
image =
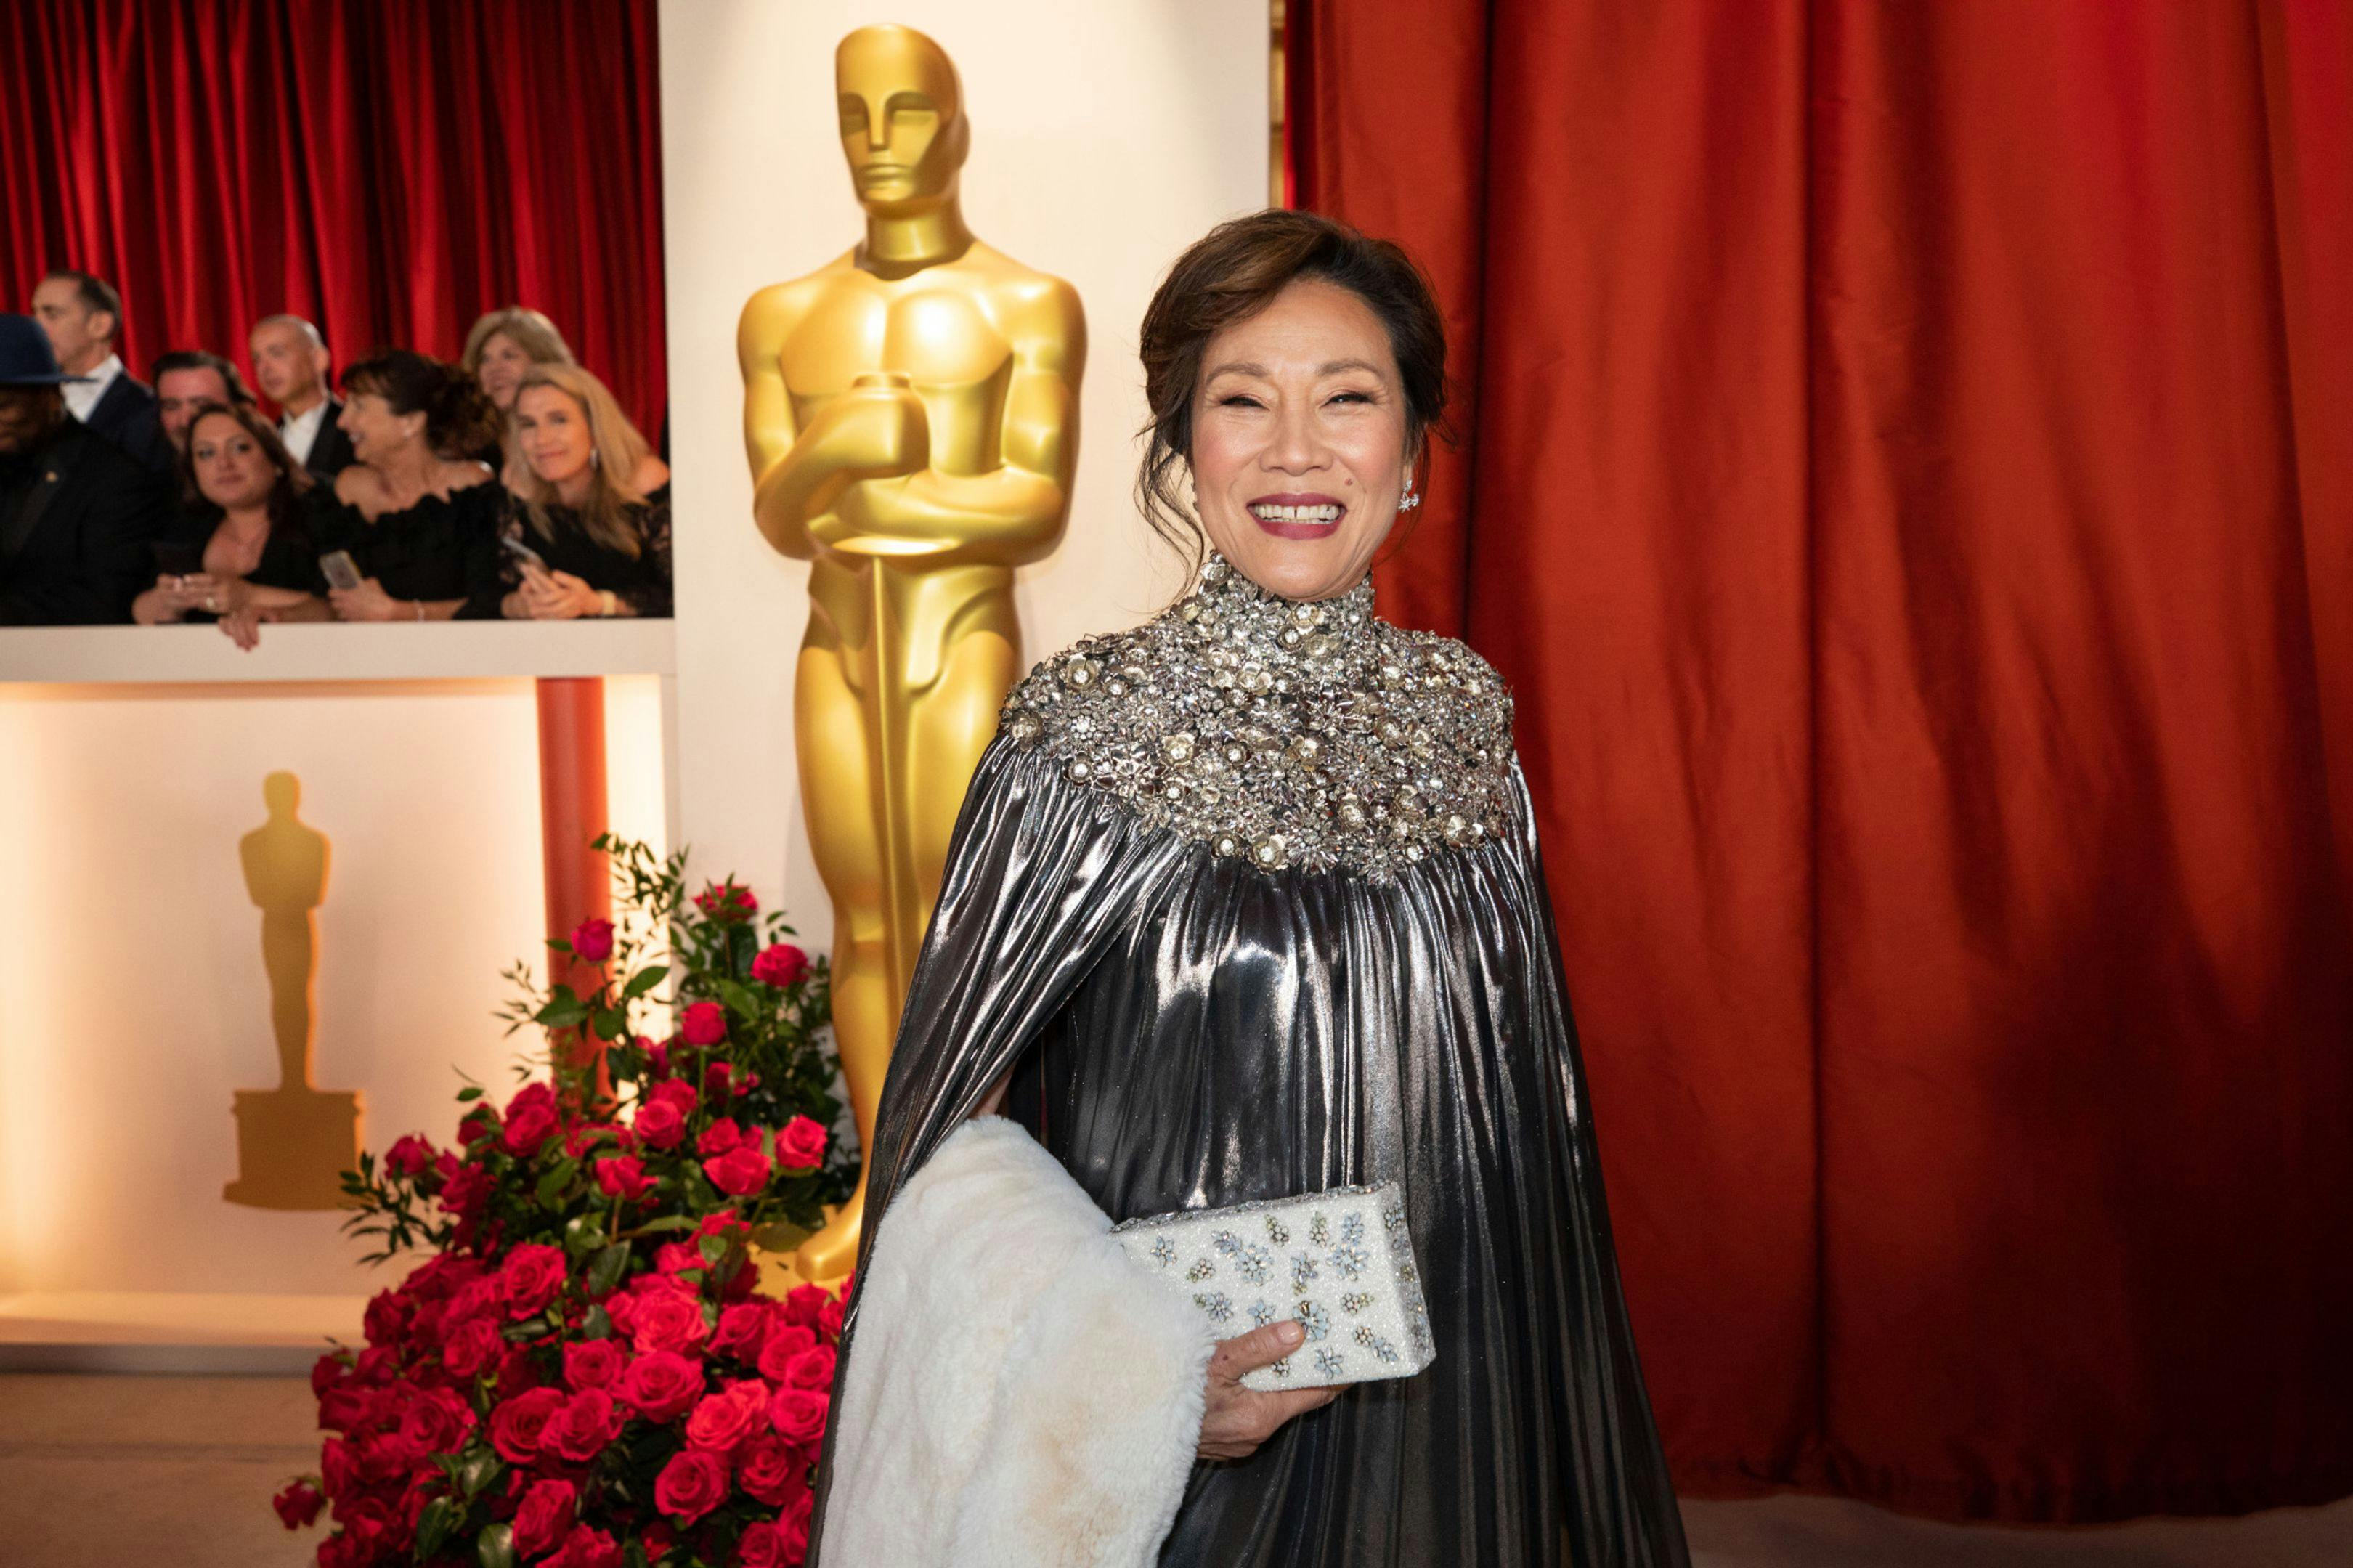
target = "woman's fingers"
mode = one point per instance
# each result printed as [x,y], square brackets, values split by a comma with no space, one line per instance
[1259,1347]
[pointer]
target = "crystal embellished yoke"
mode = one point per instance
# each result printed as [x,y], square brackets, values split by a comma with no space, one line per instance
[1290,732]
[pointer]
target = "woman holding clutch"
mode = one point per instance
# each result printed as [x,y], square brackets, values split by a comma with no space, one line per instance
[1246,904]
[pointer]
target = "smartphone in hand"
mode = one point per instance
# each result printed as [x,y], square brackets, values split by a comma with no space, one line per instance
[342,570]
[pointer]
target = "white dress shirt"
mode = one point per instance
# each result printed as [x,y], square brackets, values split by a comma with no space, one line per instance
[300,433]
[81,396]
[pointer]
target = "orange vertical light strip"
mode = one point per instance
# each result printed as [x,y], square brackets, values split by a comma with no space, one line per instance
[572,813]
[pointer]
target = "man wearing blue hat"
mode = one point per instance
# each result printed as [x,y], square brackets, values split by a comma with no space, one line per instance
[76,512]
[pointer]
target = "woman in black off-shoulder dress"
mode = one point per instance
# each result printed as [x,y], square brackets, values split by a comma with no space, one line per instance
[1247,902]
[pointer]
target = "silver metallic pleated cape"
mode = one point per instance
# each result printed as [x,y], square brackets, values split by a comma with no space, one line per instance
[1251,898]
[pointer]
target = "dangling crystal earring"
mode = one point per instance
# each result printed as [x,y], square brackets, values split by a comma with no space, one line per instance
[1413,500]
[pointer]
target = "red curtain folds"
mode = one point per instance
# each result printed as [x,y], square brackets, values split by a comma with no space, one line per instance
[389,168]
[1908,484]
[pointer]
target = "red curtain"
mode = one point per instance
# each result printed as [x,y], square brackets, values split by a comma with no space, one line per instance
[1908,482]
[388,168]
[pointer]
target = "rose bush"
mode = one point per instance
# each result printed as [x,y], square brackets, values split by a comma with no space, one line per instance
[582,1372]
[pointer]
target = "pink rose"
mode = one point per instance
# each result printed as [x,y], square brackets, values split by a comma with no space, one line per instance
[518,1426]
[702,1024]
[785,1340]
[299,1504]
[798,1415]
[740,1172]
[800,1143]
[531,1276]
[772,1469]
[623,1176]
[720,1137]
[660,1385]
[743,1330]
[664,1315]
[813,1368]
[411,1157]
[761,1546]
[588,1421]
[593,941]
[592,1364]
[781,966]
[587,1548]
[545,1515]
[471,1347]
[691,1485]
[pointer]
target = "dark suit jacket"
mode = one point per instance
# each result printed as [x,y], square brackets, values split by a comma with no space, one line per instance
[331,452]
[128,416]
[74,541]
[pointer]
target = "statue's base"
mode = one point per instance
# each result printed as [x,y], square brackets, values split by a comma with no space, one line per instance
[293,1146]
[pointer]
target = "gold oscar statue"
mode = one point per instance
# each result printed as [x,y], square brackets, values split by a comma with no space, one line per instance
[293,1141]
[912,415]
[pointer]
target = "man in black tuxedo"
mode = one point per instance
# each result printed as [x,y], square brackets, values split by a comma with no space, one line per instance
[82,316]
[291,363]
[187,380]
[76,513]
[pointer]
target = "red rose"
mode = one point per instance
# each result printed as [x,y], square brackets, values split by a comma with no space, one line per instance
[588,1421]
[660,1385]
[518,1372]
[803,1302]
[664,1315]
[518,1426]
[593,941]
[587,1548]
[660,1124]
[739,1172]
[339,1473]
[532,1275]
[326,1371]
[411,1156]
[477,1124]
[727,902]
[691,1485]
[828,1318]
[677,1257]
[299,1504]
[798,1415]
[702,1024]
[743,1330]
[545,1515]
[721,1136]
[772,1469]
[715,1081]
[529,1127]
[463,1194]
[781,966]
[723,1419]
[800,1143]
[385,1322]
[761,1546]
[591,1363]
[437,1421]
[794,1527]
[785,1340]
[471,1347]
[623,1176]
[813,1368]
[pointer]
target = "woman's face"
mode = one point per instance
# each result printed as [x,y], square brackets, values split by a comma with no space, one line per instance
[232,470]
[1299,445]
[553,431]
[376,432]
[501,369]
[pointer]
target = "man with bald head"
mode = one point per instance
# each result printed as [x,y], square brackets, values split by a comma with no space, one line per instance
[296,373]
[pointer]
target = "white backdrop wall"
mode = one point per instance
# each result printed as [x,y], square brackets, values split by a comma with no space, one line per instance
[1105,138]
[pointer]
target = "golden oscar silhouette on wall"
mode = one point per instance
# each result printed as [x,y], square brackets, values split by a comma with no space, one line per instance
[911,412]
[294,1142]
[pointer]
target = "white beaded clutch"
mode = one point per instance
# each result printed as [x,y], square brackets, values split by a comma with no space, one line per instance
[1339,1261]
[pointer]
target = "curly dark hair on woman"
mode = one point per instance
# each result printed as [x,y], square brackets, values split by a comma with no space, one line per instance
[1231,274]
[460,420]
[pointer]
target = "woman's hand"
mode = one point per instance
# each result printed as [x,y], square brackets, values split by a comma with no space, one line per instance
[558,596]
[164,602]
[369,601]
[243,626]
[216,595]
[1234,1419]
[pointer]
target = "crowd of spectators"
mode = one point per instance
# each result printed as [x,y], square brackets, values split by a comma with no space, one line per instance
[405,488]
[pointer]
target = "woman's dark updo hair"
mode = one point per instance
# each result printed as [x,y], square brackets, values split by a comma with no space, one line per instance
[460,420]
[1231,274]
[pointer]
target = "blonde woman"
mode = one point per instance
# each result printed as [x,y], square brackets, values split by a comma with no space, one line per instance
[587,520]
[505,343]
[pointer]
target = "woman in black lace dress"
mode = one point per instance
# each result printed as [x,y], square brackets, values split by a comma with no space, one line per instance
[420,519]
[245,552]
[587,525]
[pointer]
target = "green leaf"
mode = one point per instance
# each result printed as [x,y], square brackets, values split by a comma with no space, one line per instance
[478,1468]
[604,1274]
[433,1526]
[713,1247]
[645,980]
[559,1176]
[582,1232]
[668,1222]
[468,1094]
[610,1023]
[596,1324]
[565,1014]
[529,1329]
[495,1546]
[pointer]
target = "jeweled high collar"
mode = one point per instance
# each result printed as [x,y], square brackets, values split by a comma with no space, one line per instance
[1310,637]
